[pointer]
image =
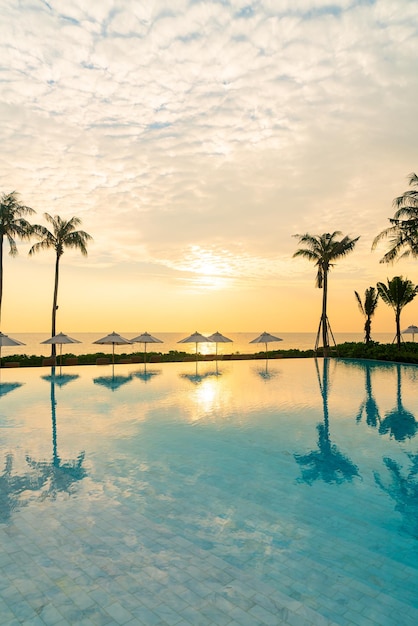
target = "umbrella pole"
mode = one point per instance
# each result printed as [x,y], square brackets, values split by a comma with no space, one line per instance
[145,352]
[60,359]
[113,353]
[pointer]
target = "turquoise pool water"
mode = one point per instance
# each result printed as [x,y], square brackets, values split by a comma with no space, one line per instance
[247,494]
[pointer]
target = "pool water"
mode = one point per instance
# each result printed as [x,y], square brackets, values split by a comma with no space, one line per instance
[239,493]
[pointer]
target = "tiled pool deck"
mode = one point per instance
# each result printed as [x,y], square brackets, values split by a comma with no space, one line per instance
[155,534]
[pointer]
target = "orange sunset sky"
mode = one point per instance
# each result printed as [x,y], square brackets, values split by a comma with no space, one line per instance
[194,139]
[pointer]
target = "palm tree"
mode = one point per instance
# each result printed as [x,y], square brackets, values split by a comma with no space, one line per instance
[12,224]
[397,294]
[323,250]
[62,235]
[403,232]
[368,308]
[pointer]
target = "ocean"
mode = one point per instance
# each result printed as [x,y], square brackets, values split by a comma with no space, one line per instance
[240,342]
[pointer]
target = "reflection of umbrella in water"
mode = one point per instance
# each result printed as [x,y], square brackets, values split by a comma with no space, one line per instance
[5,340]
[411,330]
[146,338]
[8,387]
[60,379]
[195,338]
[145,374]
[112,382]
[198,378]
[265,338]
[266,373]
[113,339]
[218,338]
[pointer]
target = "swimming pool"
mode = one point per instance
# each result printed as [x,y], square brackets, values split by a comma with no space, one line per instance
[243,493]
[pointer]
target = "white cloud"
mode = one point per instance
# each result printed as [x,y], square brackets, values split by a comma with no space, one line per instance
[230,124]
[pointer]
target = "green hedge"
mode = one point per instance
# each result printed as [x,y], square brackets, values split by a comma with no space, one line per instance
[350,350]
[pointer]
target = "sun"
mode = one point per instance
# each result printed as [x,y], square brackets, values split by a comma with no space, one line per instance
[210,270]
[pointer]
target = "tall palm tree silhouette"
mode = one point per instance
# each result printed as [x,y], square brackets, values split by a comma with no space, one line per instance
[63,234]
[397,294]
[323,250]
[368,309]
[327,463]
[403,231]
[13,223]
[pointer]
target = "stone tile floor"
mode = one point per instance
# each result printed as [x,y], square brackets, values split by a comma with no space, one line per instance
[120,567]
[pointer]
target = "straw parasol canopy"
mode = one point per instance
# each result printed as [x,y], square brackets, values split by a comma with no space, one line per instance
[114,339]
[195,338]
[5,340]
[218,338]
[146,338]
[60,339]
[265,338]
[411,330]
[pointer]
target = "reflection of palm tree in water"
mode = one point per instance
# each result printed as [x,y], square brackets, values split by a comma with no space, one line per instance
[13,486]
[326,463]
[399,422]
[59,476]
[369,405]
[404,490]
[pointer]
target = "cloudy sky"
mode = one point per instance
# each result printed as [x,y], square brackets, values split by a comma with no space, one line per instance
[193,139]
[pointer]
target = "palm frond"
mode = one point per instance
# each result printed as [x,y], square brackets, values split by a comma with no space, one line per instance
[360,304]
[12,245]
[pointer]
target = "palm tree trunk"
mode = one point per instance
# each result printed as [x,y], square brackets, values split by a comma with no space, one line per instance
[1,272]
[54,306]
[367,329]
[324,319]
[398,328]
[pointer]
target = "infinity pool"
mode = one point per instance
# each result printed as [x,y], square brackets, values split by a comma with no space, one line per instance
[243,494]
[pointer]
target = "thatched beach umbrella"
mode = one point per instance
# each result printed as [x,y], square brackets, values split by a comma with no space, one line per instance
[114,339]
[411,330]
[195,338]
[218,338]
[146,338]
[265,338]
[5,340]
[60,339]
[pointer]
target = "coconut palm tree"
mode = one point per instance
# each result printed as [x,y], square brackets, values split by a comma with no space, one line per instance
[63,234]
[403,232]
[323,250]
[368,308]
[397,294]
[12,224]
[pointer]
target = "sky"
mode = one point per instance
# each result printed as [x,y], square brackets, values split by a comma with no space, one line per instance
[194,139]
